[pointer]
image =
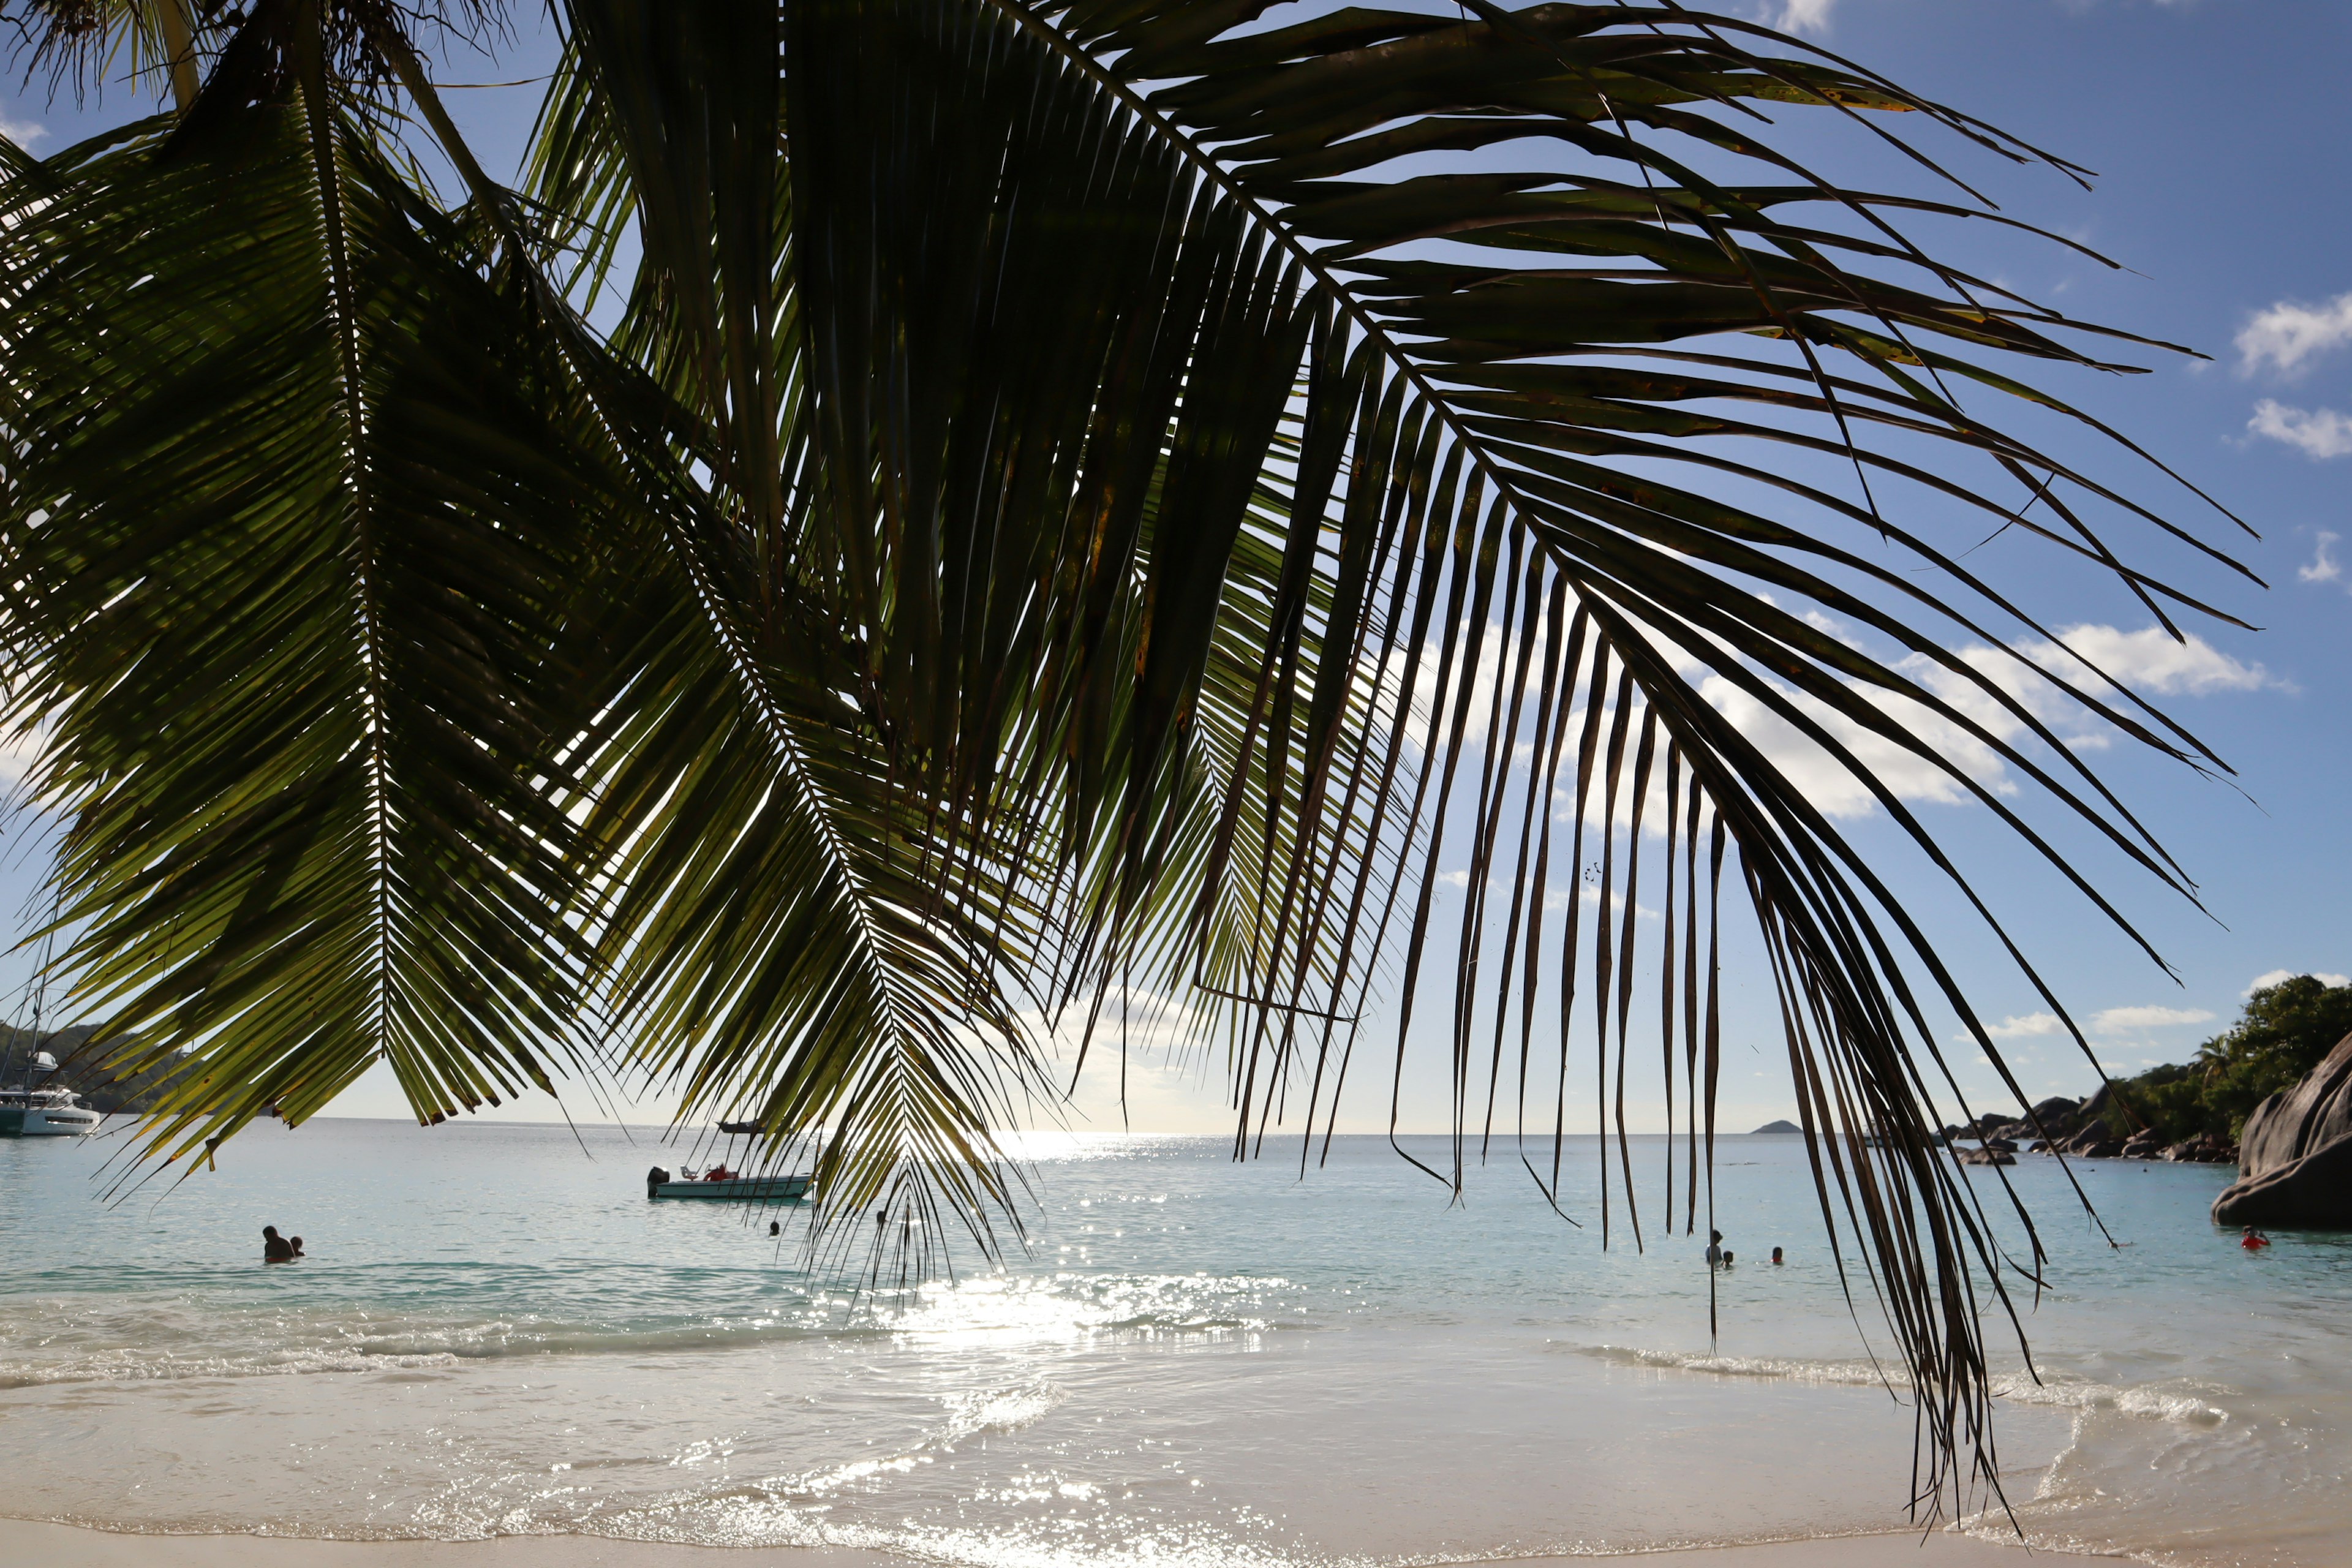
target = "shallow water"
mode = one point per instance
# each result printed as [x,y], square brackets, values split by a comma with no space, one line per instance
[1197,1363]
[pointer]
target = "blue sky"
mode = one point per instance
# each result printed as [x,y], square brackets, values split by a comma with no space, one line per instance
[2218,132]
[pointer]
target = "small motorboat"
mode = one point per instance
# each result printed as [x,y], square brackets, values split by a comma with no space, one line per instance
[728,1188]
[720,1184]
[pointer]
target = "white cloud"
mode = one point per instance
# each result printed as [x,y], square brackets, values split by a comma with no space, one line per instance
[1801,16]
[23,133]
[2324,567]
[2317,432]
[2150,660]
[2287,334]
[2261,982]
[20,753]
[1827,782]
[2031,1025]
[2122,1020]
[1497,662]
[2147,660]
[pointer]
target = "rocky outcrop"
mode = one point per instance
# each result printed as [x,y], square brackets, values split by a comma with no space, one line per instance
[2095,1128]
[1776,1128]
[2295,1159]
[2056,1116]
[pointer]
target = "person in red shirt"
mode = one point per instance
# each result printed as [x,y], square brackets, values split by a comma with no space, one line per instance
[2253,1240]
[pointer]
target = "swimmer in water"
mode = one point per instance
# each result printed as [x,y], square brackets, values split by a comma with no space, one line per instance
[2253,1240]
[1776,1255]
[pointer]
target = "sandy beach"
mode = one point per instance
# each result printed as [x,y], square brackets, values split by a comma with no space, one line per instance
[33,1545]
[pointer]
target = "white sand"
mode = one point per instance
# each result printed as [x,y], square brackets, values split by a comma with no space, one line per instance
[28,1545]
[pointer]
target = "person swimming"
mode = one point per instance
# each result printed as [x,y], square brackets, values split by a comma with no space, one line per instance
[2253,1240]
[1776,1255]
[1714,1247]
[296,1243]
[275,1248]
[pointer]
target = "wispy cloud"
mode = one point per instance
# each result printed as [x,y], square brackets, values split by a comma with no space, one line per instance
[2123,1020]
[2317,432]
[2263,982]
[2287,333]
[23,133]
[2324,567]
[2019,1028]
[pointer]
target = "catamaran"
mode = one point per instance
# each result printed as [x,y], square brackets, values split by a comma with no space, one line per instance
[45,1113]
[51,1112]
[54,1111]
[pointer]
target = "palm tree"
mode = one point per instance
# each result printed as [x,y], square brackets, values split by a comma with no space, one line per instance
[915,521]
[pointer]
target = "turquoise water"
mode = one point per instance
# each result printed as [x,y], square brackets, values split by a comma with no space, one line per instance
[1195,1362]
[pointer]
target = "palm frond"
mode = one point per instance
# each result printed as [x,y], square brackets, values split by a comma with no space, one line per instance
[1083,498]
[291,522]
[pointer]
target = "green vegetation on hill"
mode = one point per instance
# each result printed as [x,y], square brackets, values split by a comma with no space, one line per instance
[2283,1033]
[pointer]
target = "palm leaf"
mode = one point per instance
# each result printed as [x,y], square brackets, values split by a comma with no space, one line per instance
[1079,501]
[292,519]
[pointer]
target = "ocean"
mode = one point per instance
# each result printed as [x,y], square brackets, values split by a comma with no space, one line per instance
[1193,1361]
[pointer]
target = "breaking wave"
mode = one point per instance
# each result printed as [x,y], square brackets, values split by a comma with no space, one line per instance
[2056,1390]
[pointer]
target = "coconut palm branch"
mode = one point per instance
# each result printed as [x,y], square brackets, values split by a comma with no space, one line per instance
[919,523]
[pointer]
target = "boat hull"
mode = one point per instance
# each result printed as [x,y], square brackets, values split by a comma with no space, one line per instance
[736,1189]
[37,1122]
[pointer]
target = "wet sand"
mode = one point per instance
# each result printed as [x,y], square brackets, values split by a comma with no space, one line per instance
[24,1544]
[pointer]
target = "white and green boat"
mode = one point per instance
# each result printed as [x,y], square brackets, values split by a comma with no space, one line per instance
[729,1188]
[720,1184]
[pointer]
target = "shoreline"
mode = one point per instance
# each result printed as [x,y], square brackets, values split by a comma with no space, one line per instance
[33,1544]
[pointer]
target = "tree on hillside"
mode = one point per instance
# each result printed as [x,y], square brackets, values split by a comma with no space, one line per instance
[2282,1032]
[914,523]
[2285,1031]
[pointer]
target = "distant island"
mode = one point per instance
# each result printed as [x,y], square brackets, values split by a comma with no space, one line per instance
[1776,1127]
